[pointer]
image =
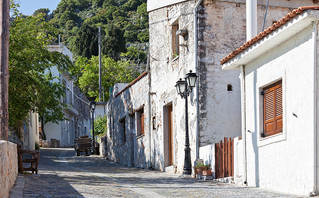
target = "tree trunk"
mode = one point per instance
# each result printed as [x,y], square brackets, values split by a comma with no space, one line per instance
[4,70]
[44,137]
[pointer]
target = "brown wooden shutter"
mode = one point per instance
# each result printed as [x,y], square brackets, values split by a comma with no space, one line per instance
[273,109]
[142,123]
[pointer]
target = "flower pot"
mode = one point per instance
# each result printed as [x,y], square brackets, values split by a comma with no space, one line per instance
[201,169]
[207,172]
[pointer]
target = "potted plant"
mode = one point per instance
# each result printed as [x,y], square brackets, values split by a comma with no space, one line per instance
[207,171]
[200,168]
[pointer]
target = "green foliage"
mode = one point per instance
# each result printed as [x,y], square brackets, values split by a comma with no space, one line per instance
[30,87]
[113,42]
[100,125]
[113,72]
[78,20]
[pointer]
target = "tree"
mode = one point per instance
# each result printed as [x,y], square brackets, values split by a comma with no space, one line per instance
[30,86]
[86,41]
[100,125]
[112,72]
[113,42]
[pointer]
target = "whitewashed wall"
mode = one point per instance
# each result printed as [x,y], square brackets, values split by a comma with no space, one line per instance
[283,162]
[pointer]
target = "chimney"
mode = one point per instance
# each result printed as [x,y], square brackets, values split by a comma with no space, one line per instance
[251,19]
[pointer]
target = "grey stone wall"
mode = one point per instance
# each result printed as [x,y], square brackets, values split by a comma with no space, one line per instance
[123,108]
[8,167]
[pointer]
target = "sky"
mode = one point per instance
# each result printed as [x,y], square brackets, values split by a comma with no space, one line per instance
[27,7]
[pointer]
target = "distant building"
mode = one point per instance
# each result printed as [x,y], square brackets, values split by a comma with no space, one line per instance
[77,113]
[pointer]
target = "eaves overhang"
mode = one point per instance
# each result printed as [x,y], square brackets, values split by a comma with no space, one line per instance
[275,38]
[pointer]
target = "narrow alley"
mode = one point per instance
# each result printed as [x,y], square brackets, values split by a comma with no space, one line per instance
[62,174]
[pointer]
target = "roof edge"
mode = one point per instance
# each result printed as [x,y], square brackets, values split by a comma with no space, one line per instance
[132,83]
[265,33]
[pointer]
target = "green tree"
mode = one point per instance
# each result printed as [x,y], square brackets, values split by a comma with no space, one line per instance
[113,42]
[86,41]
[113,72]
[29,61]
[100,125]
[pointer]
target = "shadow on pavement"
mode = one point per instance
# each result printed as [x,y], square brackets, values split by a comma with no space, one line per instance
[48,185]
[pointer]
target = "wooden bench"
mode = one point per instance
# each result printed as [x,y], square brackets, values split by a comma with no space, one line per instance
[33,161]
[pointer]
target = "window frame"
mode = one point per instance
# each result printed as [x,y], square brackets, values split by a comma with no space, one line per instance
[276,120]
[123,129]
[140,122]
[175,40]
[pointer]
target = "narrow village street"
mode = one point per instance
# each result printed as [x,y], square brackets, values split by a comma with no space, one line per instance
[62,174]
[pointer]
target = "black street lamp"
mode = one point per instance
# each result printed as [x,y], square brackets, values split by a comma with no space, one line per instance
[92,105]
[184,88]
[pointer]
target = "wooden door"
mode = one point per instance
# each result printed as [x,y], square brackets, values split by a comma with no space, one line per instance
[170,135]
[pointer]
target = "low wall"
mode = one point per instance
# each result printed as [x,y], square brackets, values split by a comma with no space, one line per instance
[8,167]
[238,161]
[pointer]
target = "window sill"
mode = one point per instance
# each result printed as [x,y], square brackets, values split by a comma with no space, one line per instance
[263,141]
[140,136]
[176,58]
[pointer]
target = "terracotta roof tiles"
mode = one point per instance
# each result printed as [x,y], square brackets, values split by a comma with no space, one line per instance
[265,33]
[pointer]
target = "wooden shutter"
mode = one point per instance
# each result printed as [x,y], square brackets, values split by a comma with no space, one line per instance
[142,123]
[273,109]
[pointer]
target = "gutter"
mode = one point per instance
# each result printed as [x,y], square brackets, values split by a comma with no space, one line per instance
[198,76]
[243,120]
[149,112]
[315,167]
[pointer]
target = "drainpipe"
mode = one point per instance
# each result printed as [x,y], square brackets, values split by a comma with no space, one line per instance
[149,110]
[197,73]
[243,120]
[251,18]
[315,32]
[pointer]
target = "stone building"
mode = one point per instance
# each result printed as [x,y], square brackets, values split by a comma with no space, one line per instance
[214,105]
[127,142]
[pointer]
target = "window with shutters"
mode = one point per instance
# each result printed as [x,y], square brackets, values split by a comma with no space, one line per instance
[123,130]
[140,122]
[272,109]
[175,40]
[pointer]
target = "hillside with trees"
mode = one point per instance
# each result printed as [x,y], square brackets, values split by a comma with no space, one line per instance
[124,39]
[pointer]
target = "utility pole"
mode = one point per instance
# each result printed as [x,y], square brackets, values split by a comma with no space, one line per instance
[100,67]
[4,70]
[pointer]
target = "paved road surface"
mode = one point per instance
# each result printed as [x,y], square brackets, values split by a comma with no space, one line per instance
[62,174]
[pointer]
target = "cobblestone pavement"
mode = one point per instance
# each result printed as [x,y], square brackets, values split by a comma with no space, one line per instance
[62,174]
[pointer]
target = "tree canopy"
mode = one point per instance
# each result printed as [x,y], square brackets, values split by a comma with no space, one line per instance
[31,85]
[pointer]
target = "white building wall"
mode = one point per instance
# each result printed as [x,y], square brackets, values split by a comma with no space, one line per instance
[283,162]
[52,130]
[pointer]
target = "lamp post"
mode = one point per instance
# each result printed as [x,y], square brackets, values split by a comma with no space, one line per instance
[92,105]
[184,88]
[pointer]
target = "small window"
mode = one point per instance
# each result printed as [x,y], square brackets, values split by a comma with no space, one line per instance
[229,87]
[175,40]
[123,130]
[140,122]
[273,110]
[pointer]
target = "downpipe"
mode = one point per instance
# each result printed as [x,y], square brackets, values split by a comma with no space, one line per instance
[243,123]
[198,76]
[315,182]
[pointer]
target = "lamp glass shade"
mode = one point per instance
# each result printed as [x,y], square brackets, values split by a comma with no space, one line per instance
[191,79]
[93,105]
[180,86]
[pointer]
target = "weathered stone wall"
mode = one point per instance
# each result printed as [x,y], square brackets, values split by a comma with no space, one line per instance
[121,109]
[8,167]
[222,28]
